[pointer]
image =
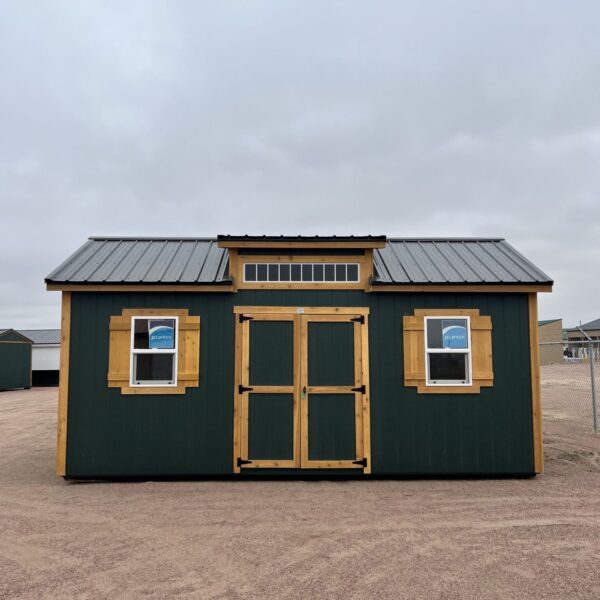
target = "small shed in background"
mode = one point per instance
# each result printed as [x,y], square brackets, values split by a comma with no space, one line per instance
[15,360]
[45,356]
[551,347]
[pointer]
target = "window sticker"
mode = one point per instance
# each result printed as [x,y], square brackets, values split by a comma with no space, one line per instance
[454,334]
[161,334]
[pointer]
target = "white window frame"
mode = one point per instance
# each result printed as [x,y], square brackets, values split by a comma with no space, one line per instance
[302,280]
[134,351]
[468,351]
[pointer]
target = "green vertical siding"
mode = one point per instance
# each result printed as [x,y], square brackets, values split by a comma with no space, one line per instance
[15,364]
[114,435]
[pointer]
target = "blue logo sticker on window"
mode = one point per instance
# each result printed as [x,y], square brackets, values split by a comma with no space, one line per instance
[454,336]
[160,335]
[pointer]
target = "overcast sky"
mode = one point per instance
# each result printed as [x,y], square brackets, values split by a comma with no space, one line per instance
[398,118]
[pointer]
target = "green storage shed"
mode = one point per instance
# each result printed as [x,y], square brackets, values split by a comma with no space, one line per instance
[15,360]
[298,356]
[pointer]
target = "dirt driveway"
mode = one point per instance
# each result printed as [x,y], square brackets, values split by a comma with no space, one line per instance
[368,539]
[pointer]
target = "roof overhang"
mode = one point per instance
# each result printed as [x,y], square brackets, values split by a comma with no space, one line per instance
[224,286]
[503,288]
[317,242]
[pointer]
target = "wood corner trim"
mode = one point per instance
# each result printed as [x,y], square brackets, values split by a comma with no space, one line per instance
[536,399]
[63,386]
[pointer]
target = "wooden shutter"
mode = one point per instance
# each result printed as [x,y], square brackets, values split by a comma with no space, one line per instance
[414,351]
[119,353]
[188,356]
[481,348]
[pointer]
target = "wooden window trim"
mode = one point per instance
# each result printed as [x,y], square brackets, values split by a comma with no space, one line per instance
[365,261]
[188,351]
[414,351]
[467,351]
[172,352]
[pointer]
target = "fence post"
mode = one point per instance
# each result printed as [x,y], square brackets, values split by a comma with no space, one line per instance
[592,375]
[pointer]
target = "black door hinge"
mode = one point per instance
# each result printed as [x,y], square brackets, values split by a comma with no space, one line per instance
[245,318]
[242,389]
[362,461]
[360,319]
[241,462]
[362,389]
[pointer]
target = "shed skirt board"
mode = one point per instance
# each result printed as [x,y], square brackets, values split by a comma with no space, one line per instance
[300,390]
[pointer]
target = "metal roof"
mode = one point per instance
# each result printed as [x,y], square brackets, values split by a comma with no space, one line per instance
[42,337]
[144,260]
[6,332]
[302,238]
[200,261]
[547,322]
[592,325]
[454,261]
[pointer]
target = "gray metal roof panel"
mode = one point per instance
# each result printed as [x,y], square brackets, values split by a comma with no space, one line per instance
[454,261]
[592,325]
[200,260]
[41,337]
[12,333]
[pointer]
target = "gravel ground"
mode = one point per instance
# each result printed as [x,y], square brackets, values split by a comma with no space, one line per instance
[537,538]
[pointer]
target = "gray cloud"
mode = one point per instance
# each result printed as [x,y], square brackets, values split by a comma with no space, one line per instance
[186,118]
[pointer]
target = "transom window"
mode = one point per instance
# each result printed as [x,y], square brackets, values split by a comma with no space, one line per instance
[302,272]
[154,351]
[448,350]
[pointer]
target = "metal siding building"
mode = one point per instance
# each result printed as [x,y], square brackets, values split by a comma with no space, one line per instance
[15,360]
[299,378]
[45,355]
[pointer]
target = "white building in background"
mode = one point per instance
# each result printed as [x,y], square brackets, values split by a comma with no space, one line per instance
[45,355]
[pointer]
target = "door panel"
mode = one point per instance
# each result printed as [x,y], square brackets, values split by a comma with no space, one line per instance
[330,353]
[271,353]
[301,396]
[270,427]
[331,427]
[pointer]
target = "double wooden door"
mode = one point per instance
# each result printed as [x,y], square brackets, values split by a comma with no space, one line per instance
[301,389]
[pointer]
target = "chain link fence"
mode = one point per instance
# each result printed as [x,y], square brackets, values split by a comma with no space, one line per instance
[570,374]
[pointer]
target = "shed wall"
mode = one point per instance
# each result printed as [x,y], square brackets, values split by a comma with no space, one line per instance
[192,435]
[15,364]
[551,333]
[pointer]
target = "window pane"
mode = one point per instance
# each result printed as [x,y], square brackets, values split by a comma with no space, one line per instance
[250,272]
[296,271]
[261,272]
[340,272]
[273,272]
[140,333]
[318,272]
[329,272]
[448,367]
[434,333]
[447,333]
[153,367]
[352,272]
[284,272]
[307,273]
[154,333]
